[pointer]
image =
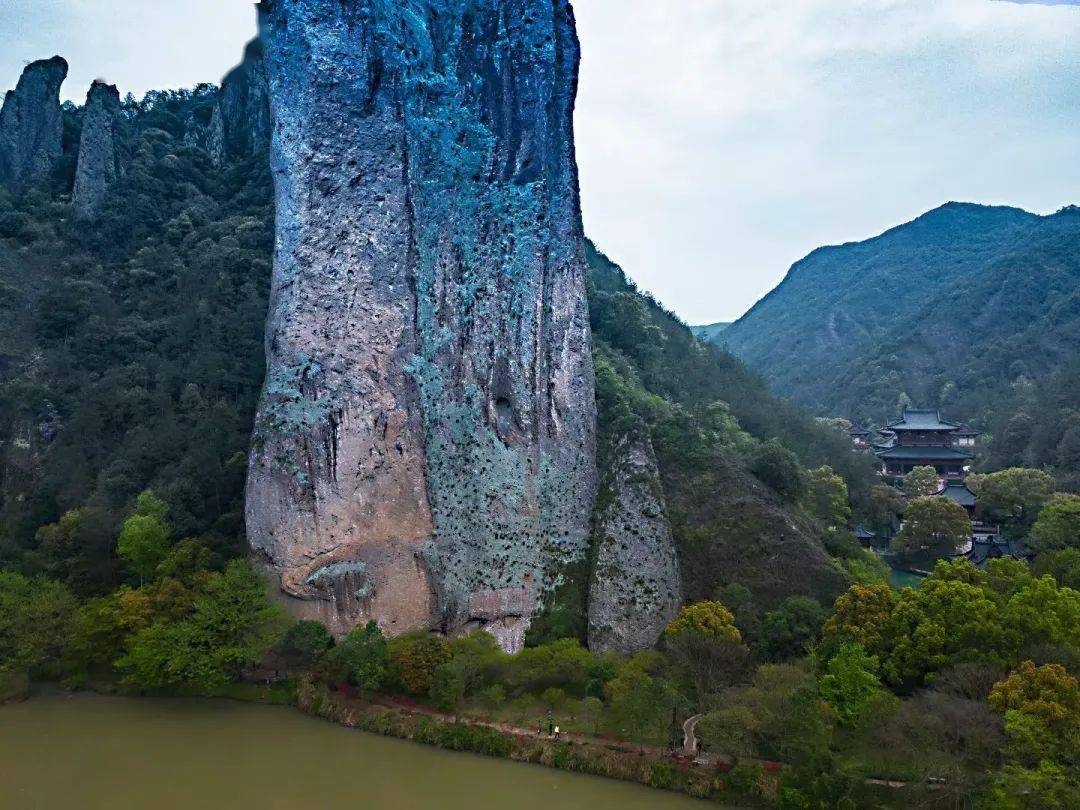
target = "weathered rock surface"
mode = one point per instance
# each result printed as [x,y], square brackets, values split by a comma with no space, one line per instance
[244,110]
[424,448]
[636,588]
[100,163]
[31,123]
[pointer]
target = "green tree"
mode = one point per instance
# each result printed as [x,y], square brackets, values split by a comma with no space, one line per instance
[779,468]
[1041,707]
[1058,525]
[885,504]
[1047,692]
[144,538]
[1012,497]
[709,619]
[827,497]
[102,627]
[1063,566]
[232,623]
[414,657]
[921,482]
[640,701]
[863,614]
[705,647]
[941,623]
[789,630]
[78,549]
[851,685]
[362,658]
[304,643]
[935,526]
[1040,614]
[1045,787]
[35,624]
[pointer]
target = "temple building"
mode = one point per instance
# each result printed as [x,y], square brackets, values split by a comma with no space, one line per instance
[921,438]
[860,436]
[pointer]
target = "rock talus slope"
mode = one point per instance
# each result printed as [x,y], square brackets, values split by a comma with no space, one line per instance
[424,452]
[31,123]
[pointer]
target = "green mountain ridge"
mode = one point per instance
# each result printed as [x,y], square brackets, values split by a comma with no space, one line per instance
[973,309]
[710,331]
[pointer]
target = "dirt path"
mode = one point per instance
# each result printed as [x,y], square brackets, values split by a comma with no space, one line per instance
[508,728]
[689,746]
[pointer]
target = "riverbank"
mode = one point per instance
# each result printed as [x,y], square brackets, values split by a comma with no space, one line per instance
[641,765]
[61,750]
[14,687]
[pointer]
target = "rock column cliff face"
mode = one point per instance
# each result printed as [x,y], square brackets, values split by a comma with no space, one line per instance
[31,123]
[636,588]
[99,163]
[424,449]
[244,110]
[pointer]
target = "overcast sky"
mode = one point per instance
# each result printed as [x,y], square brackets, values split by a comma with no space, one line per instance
[719,140]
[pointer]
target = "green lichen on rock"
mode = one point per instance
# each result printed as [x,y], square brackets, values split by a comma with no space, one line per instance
[429,364]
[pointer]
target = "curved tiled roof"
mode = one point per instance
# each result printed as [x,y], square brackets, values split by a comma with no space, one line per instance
[958,492]
[929,452]
[919,419]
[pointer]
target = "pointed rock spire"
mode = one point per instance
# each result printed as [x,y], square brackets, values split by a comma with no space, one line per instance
[99,158]
[31,122]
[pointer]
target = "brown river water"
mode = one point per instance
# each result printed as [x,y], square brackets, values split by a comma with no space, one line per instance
[89,752]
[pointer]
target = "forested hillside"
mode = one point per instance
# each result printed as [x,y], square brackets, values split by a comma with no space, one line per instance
[131,350]
[972,309]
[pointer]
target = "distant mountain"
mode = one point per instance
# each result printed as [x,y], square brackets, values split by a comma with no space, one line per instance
[710,331]
[974,309]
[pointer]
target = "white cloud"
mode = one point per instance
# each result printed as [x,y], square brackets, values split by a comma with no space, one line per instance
[719,140]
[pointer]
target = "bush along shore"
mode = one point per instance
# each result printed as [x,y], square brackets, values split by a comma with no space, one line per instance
[644,765]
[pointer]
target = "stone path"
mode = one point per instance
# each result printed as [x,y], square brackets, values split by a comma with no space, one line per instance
[689,737]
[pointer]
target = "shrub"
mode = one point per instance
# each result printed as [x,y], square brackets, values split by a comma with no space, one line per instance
[414,658]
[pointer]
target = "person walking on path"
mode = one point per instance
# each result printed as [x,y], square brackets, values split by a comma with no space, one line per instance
[556,732]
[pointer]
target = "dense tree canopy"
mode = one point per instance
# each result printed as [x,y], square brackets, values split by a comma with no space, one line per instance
[934,526]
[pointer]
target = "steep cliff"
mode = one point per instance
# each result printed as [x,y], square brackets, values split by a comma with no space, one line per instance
[424,449]
[243,116]
[636,588]
[99,165]
[31,123]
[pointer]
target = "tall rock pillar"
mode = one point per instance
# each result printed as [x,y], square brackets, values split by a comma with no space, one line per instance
[424,452]
[99,163]
[31,122]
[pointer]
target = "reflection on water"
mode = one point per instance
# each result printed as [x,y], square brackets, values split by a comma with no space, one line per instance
[96,753]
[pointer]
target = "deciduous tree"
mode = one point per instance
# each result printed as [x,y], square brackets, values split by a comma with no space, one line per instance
[1012,497]
[851,685]
[936,526]
[921,482]
[827,497]
[144,539]
[1058,525]
[863,614]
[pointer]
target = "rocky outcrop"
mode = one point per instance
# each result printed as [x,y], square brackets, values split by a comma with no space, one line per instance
[636,588]
[99,163]
[31,123]
[244,109]
[424,446]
